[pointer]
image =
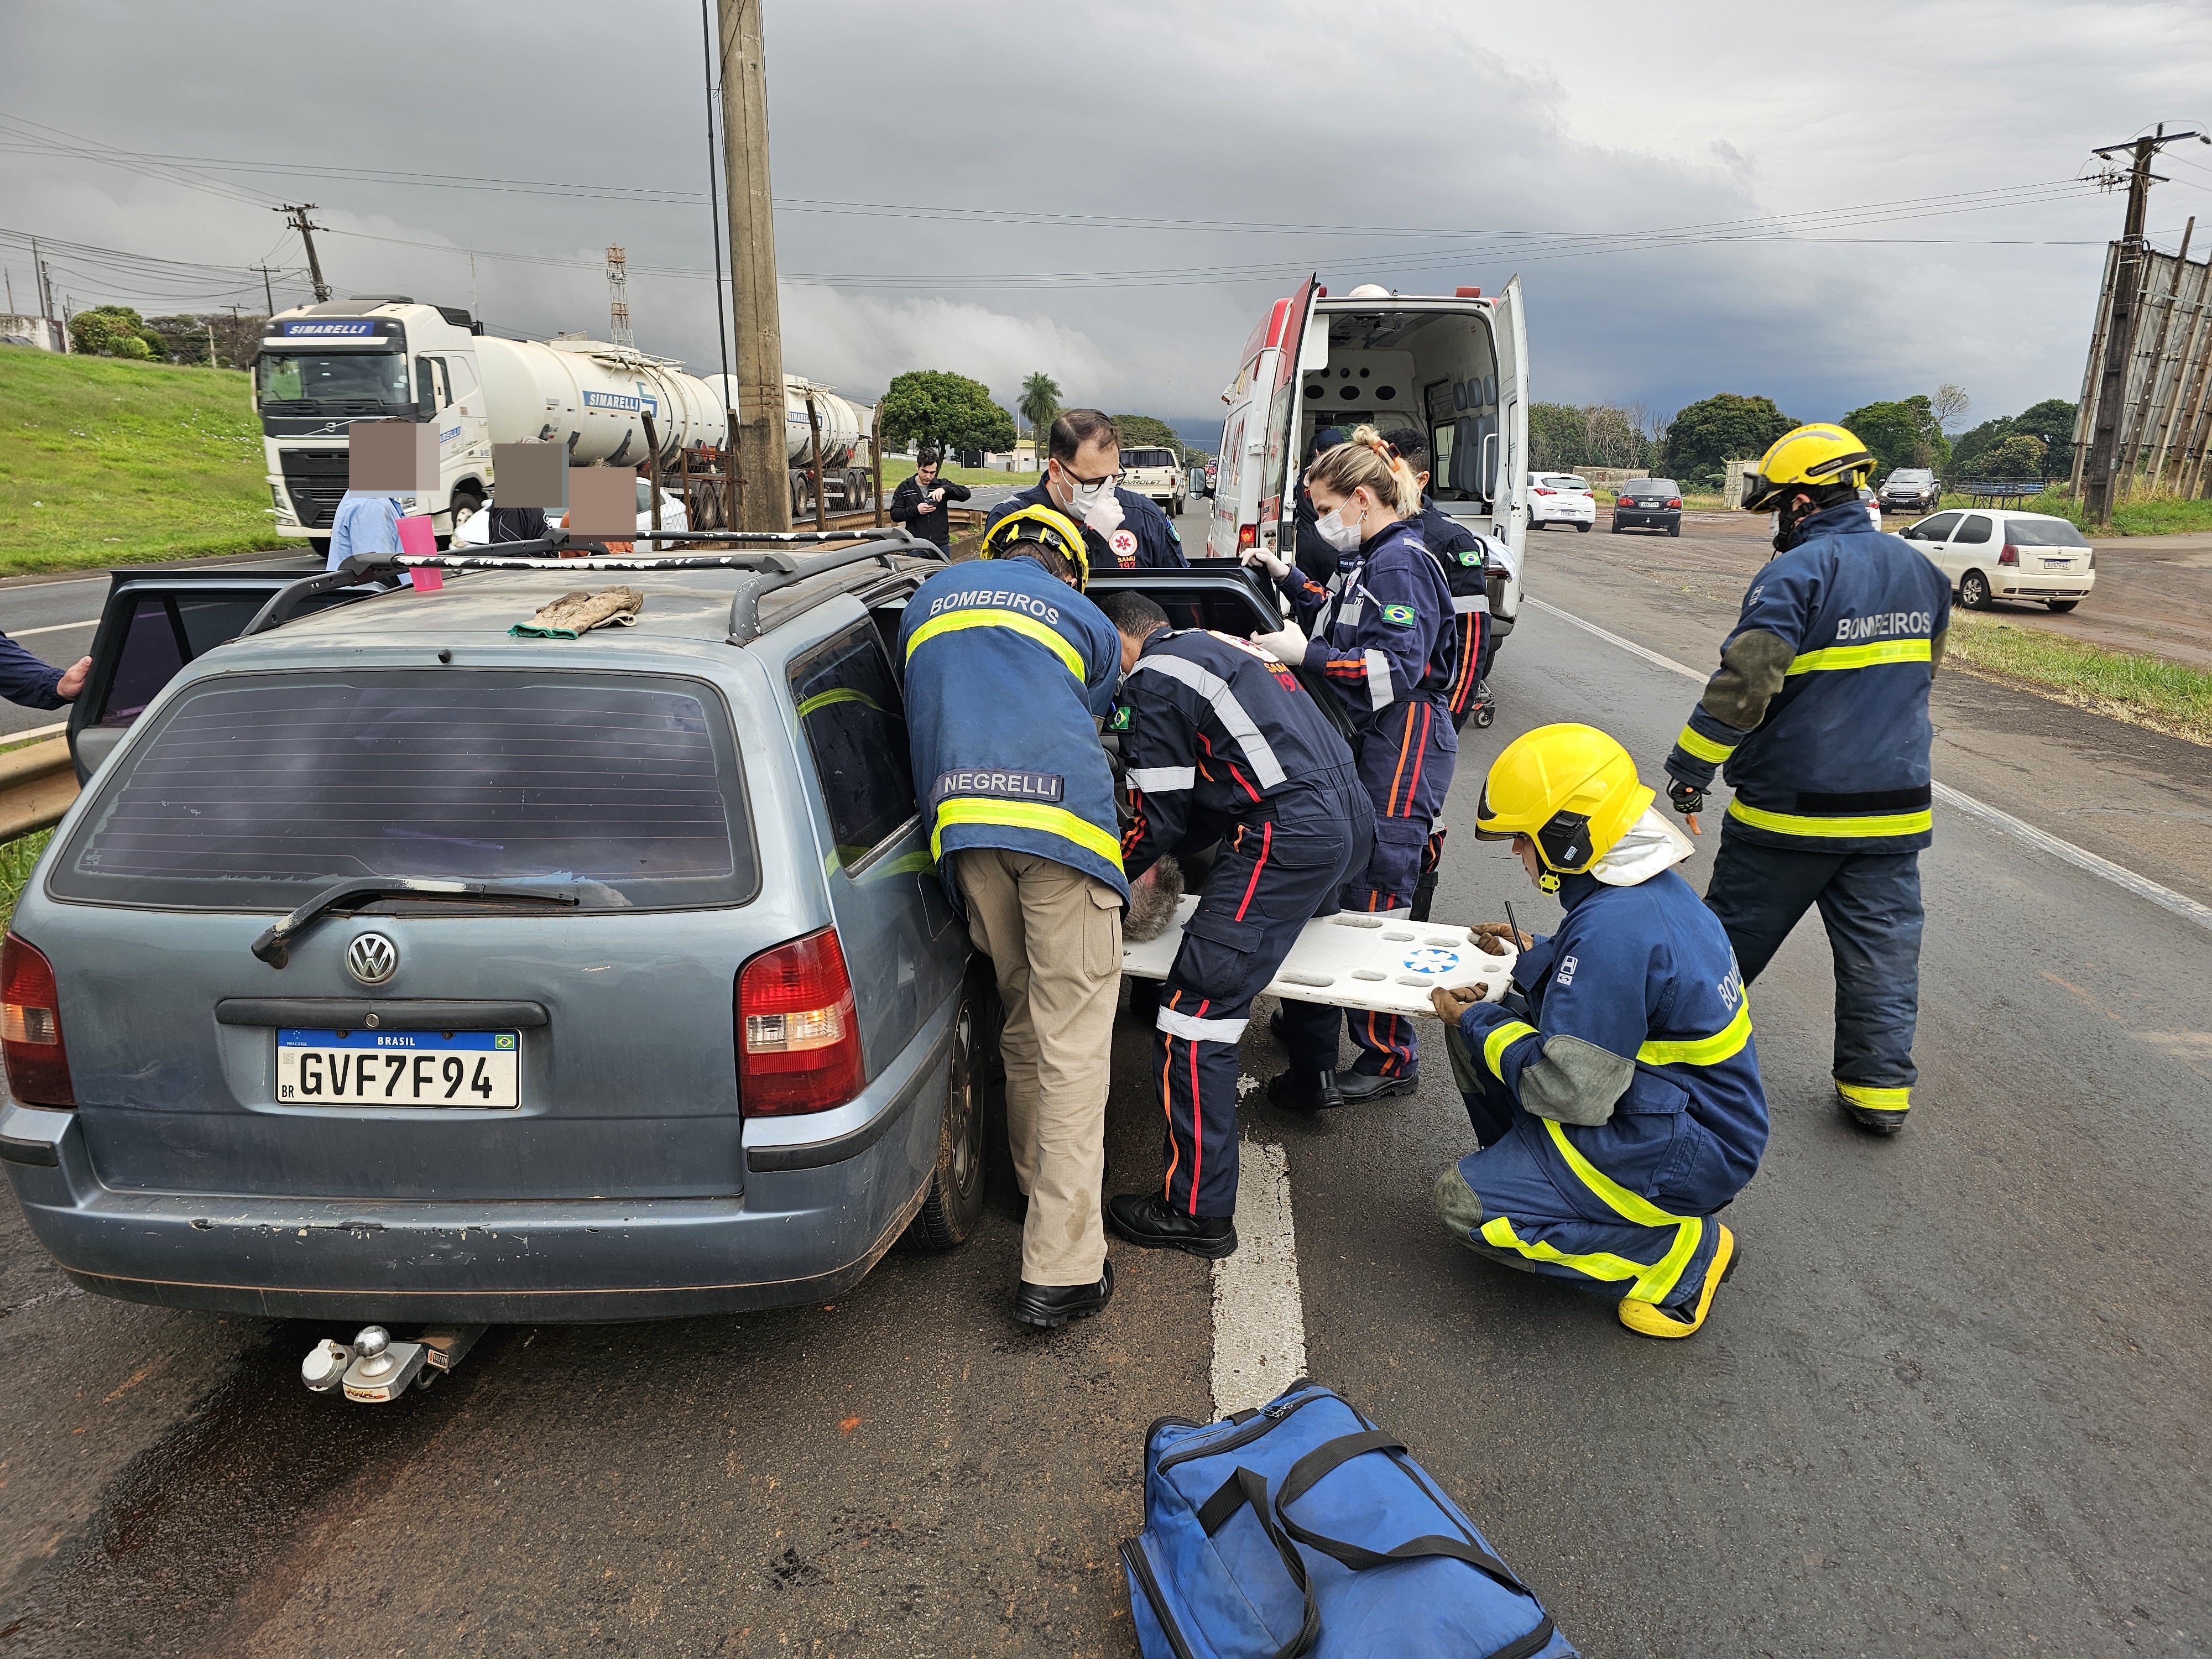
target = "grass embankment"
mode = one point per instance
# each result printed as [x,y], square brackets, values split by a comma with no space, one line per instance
[17,860]
[2127,685]
[107,461]
[898,468]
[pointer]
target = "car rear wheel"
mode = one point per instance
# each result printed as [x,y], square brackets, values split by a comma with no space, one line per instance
[2062,607]
[1583,527]
[1974,591]
[955,1203]
[1674,529]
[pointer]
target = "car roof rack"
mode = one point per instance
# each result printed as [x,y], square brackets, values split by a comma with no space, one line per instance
[774,555]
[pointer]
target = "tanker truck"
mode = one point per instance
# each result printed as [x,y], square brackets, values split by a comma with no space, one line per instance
[846,431]
[323,367]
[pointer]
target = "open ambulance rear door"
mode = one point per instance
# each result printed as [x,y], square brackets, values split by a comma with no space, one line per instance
[1509,469]
[1278,531]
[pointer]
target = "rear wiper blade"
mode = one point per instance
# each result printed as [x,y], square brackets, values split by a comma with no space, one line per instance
[275,946]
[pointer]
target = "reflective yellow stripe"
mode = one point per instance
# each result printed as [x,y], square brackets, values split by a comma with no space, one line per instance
[1874,1100]
[1023,815]
[1724,1044]
[1860,656]
[985,617]
[1598,1264]
[1694,742]
[1655,1283]
[1894,824]
[1494,1045]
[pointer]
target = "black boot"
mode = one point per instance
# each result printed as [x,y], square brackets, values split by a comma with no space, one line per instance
[1146,1219]
[1303,1092]
[1354,1088]
[1047,1306]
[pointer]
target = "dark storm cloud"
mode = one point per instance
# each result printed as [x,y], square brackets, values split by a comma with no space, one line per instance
[1474,137]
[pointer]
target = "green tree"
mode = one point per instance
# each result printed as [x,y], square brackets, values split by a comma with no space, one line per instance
[1905,433]
[2051,420]
[1040,406]
[114,331]
[1144,431]
[1705,435]
[1557,434]
[2019,456]
[944,411]
[1969,453]
[184,339]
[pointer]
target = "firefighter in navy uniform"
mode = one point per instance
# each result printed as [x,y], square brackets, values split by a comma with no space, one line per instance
[1383,639]
[1819,716]
[1009,669]
[1460,553]
[1223,743]
[1121,529]
[1614,1090]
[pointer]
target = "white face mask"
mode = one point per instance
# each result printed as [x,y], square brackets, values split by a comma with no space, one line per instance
[1344,538]
[1094,504]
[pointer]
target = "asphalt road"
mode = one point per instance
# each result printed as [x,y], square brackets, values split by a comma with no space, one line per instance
[1950,1404]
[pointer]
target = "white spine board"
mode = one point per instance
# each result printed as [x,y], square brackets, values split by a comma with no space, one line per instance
[1385,964]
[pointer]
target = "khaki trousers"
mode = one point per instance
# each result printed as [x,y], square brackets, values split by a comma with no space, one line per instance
[1053,935]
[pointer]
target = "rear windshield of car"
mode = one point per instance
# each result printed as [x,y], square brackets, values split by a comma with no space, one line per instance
[1565,481]
[1147,457]
[2034,530]
[256,794]
[1650,487]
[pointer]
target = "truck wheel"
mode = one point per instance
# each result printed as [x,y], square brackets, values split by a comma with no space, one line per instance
[1974,591]
[955,1204]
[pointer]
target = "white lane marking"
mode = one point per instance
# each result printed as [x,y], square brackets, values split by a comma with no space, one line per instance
[1259,1317]
[58,627]
[35,731]
[2065,851]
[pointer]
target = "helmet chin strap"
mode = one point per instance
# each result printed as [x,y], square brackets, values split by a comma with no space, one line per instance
[1548,882]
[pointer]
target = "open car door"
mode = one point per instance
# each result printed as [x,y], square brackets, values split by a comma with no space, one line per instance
[1278,514]
[1508,473]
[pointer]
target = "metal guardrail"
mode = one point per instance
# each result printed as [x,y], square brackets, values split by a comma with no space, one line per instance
[37,784]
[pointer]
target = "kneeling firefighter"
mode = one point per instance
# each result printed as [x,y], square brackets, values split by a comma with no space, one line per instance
[1818,713]
[1223,743]
[1614,1090]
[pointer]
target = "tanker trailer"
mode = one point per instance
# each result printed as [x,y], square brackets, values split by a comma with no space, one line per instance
[592,396]
[847,467]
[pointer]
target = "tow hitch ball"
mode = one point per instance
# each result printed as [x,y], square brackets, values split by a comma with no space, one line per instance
[374,1370]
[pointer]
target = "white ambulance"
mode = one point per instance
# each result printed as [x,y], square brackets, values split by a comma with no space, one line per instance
[1454,367]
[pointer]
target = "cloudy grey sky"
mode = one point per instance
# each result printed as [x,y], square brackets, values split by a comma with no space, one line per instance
[1113,193]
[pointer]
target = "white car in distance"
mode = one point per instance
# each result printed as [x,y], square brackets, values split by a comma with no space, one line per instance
[1560,498]
[1991,554]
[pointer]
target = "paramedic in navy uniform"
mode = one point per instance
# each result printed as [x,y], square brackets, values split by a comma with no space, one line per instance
[1083,471]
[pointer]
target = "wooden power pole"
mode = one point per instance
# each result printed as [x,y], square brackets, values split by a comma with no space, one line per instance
[2106,464]
[296,215]
[765,502]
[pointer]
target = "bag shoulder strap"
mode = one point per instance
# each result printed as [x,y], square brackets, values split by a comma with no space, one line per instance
[1245,1486]
[1332,1455]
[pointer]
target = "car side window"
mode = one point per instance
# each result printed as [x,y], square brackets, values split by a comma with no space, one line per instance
[855,724]
[1975,531]
[1935,529]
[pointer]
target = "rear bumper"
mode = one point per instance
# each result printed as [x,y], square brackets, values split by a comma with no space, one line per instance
[2043,584]
[1646,517]
[814,1220]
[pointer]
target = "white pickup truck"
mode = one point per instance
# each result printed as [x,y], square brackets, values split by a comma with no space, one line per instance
[1157,474]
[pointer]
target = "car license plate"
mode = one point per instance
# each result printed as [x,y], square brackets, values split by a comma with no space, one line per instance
[2057,564]
[396,1068]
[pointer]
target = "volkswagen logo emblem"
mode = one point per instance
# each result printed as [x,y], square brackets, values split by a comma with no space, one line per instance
[372,958]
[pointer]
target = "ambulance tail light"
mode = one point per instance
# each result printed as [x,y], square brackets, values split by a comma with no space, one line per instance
[2008,555]
[1247,535]
[799,1040]
[1467,294]
[31,1027]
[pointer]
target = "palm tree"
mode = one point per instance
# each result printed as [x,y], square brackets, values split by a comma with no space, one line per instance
[1040,407]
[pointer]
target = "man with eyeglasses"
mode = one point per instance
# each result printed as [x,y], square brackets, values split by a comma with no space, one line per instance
[1082,479]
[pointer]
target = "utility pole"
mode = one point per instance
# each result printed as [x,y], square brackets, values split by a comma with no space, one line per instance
[268,293]
[618,299]
[765,503]
[296,215]
[2104,459]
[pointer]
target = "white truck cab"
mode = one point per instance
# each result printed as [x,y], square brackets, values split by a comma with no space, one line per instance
[1454,366]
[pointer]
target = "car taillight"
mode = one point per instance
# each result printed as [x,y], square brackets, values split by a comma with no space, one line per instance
[31,1027]
[799,1041]
[1247,535]
[1676,501]
[2009,554]
[1541,490]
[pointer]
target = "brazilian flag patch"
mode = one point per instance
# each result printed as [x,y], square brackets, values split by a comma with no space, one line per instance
[1120,720]
[1399,616]
[1471,555]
